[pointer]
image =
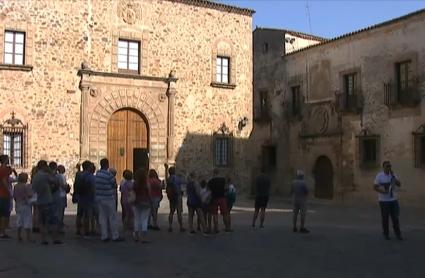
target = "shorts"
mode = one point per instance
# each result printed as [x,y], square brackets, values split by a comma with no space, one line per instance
[219,203]
[194,206]
[176,204]
[4,207]
[24,216]
[155,202]
[300,206]
[85,210]
[261,202]
[47,214]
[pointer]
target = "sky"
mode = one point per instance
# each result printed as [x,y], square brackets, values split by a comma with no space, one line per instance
[327,19]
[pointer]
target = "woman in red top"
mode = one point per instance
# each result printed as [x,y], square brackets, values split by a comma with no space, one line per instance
[142,206]
[155,188]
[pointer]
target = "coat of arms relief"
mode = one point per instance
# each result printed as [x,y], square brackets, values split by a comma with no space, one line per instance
[130,11]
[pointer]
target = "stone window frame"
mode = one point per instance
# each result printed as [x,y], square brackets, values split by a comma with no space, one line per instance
[226,52]
[14,43]
[127,69]
[140,36]
[295,81]
[27,29]
[222,74]
[412,58]
[391,90]
[223,134]
[419,147]
[346,102]
[363,137]
[269,156]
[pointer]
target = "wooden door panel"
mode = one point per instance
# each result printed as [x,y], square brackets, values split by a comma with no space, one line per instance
[127,132]
[117,141]
[136,136]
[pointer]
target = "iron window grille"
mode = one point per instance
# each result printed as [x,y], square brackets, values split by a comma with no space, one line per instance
[14,135]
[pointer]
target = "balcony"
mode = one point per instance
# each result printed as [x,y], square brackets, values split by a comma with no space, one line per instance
[393,97]
[349,103]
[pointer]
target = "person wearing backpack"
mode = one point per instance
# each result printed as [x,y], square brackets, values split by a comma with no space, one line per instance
[174,195]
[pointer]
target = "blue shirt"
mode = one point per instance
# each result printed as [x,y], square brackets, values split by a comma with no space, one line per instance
[105,185]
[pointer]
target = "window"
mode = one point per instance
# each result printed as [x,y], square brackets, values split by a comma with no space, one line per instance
[222,151]
[222,72]
[265,48]
[296,100]
[14,47]
[350,84]
[419,147]
[369,151]
[12,146]
[269,157]
[263,105]
[128,56]
[13,133]
[402,71]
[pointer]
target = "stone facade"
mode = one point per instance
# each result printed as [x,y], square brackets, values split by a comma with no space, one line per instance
[323,134]
[67,105]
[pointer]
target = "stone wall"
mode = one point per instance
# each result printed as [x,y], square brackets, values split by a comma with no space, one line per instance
[174,35]
[319,71]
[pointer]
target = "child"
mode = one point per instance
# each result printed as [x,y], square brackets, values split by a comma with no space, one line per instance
[194,203]
[63,191]
[127,210]
[22,194]
[230,194]
[205,194]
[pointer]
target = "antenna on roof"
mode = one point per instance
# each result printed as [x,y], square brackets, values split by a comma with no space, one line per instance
[307,66]
[307,10]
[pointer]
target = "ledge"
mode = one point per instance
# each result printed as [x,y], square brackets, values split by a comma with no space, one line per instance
[82,72]
[317,135]
[223,85]
[16,67]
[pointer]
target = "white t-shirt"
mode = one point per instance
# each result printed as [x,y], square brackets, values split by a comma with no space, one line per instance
[386,181]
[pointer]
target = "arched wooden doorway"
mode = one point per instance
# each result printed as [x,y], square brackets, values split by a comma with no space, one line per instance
[323,177]
[128,144]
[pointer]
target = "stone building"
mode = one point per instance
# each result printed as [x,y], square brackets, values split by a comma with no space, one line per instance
[339,107]
[142,82]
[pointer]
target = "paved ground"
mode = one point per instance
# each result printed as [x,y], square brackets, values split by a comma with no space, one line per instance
[345,242]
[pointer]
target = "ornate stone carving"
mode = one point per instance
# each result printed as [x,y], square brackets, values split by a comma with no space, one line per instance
[130,11]
[319,120]
[94,92]
[162,97]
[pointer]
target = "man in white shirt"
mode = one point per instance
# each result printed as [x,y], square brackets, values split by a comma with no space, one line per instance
[386,184]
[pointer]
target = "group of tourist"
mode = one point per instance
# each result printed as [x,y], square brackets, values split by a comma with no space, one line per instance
[40,205]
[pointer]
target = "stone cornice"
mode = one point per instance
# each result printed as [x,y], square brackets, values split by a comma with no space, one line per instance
[16,67]
[216,6]
[223,85]
[82,72]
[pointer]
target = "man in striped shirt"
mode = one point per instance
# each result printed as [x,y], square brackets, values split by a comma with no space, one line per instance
[105,198]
